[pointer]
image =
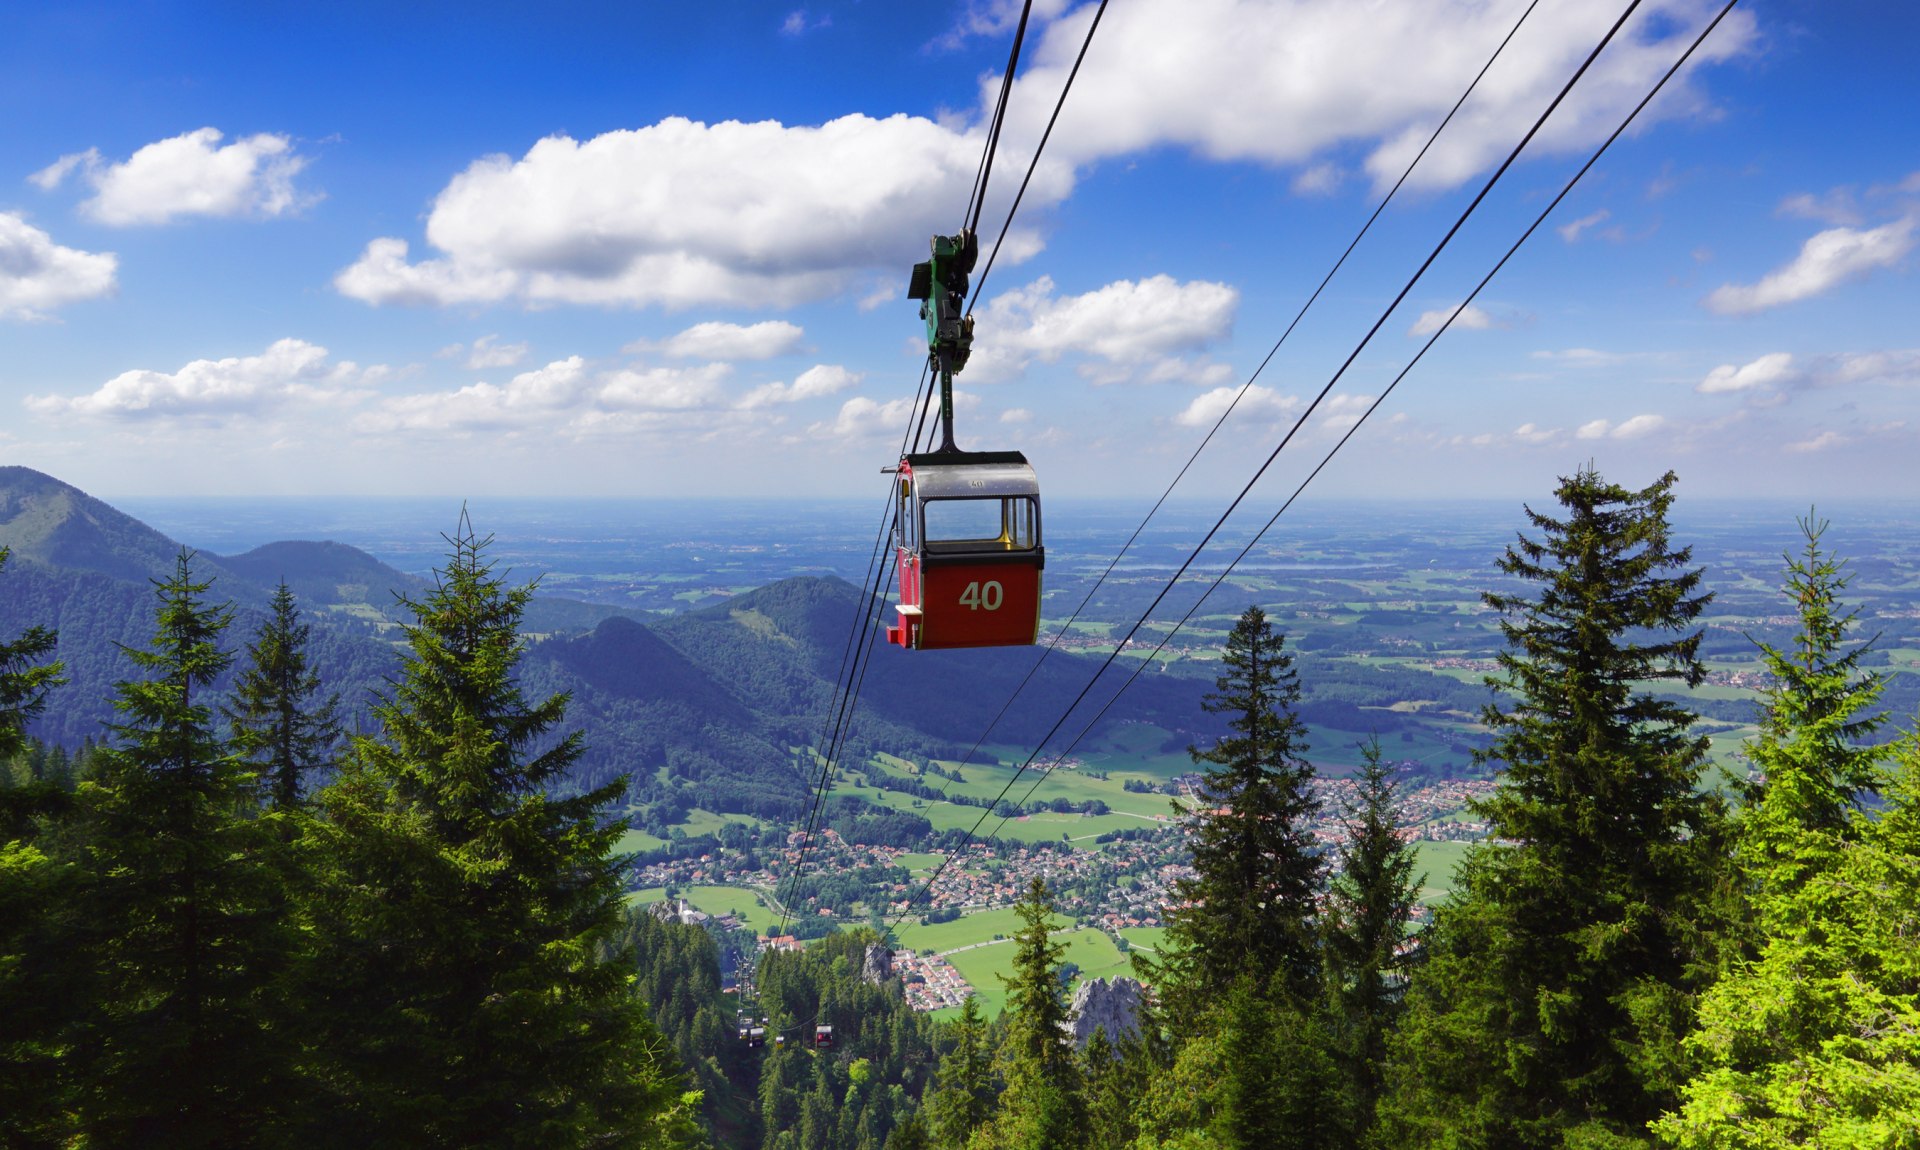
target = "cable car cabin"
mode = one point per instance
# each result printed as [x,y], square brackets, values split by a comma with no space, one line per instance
[968,548]
[823,1037]
[754,1035]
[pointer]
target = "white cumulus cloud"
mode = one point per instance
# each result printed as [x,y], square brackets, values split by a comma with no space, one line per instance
[1820,442]
[1638,426]
[290,371]
[1285,82]
[1471,318]
[680,213]
[1572,230]
[1632,428]
[728,341]
[819,380]
[1258,403]
[1826,261]
[864,418]
[1766,373]
[1138,327]
[664,388]
[683,213]
[488,352]
[188,175]
[526,399]
[37,275]
[1767,377]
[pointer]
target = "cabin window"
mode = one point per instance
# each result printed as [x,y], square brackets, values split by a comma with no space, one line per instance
[988,524]
[907,537]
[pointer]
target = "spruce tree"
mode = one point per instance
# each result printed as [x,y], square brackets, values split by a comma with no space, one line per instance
[1813,1041]
[1251,905]
[1562,972]
[39,987]
[281,725]
[1042,1103]
[473,989]
[963,1091]
[1370,905]
[1813,753]
[183,1047]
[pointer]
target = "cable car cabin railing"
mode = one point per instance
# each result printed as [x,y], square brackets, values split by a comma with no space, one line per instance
[969,551]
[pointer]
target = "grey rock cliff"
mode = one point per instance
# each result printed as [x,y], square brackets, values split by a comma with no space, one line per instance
[878,966]
[1113,1006]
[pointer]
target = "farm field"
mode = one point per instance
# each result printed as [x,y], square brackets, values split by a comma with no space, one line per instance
[1092,950]
[1437,860]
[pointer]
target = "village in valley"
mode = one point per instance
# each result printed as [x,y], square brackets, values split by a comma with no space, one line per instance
[1115,887]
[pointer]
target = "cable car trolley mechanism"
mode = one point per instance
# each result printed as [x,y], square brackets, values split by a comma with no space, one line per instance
[967,523]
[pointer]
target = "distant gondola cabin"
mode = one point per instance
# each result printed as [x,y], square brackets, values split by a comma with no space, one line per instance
[968,548]
[823,1037]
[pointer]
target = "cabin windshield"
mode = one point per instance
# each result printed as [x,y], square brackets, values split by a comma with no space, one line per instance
[992,523]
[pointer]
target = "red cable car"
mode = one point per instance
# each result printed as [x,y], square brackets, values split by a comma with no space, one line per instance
[967,531]
[968,548]
[823,1037]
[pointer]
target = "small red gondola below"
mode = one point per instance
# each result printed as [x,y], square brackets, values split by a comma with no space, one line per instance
[823,1037]
[968,548]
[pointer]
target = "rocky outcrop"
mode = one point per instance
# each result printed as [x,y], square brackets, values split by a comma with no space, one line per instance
[878,966]
[1113,1006]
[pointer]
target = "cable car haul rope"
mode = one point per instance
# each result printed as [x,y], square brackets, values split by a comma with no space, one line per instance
[966,526]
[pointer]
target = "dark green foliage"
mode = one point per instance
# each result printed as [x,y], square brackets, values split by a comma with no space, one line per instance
[855,1093]
[1280,1085]
[25,679]
[463,913]
[281,725]
[1042,1104]
[1250,909]
[1562,972]
[677,976]
[182,1045]
[962,1098]
[911,1134]
[1369,906]
[1814,756]
[1815,1038]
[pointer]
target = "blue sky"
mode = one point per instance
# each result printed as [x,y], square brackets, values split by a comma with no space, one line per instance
[660,250]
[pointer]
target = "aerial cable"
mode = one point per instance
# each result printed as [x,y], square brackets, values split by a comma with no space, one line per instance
[862,621]
[1445,240]
[999,118]
[1375,405]
[1251,379]
[1035,162]
[842,703]
[842,728]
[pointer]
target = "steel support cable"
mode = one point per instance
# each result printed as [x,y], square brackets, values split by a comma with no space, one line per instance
[1365,340]
[985,172]
[982,174]
[977,201]
[1251,379]
[1374,406]
[842,727]
[1035,162]
[863,620]
[842,730]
